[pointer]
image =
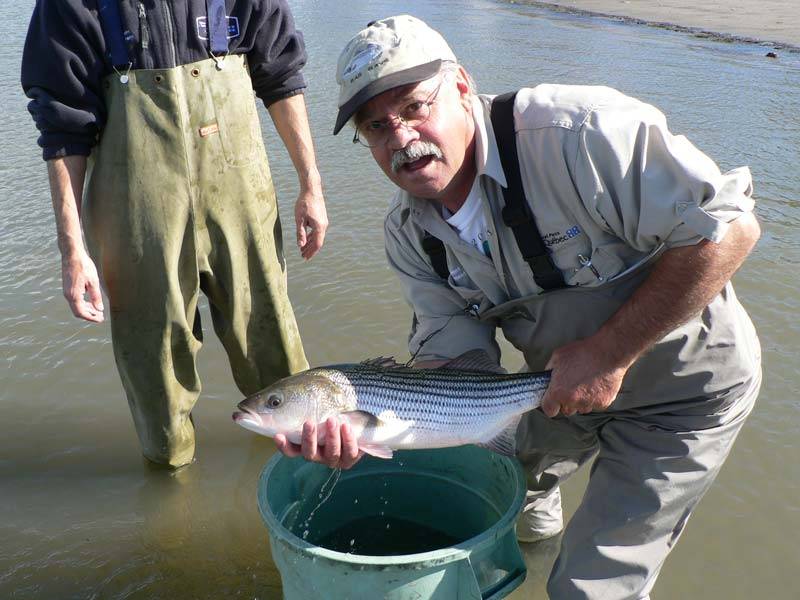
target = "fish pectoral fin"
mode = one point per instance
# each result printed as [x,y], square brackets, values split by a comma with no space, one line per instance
[474,360]
[506,441]
[361,419]
[376,450]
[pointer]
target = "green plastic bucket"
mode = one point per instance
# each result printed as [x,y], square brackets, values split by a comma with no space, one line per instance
[426,525]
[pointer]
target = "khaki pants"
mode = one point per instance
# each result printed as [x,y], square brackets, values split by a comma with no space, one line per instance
[652,467]
[180,200]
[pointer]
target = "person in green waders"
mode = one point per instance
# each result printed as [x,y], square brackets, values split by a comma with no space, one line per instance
[147,112]
[603,245]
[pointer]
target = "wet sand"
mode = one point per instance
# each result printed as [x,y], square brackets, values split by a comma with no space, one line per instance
[772,22]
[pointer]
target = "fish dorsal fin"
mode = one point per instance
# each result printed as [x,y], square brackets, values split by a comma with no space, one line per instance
[474,360]
[504,442]
[387,362]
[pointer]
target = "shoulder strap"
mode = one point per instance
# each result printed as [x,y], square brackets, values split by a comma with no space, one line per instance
[111,24]
[217,26]
[434,248]
[516,213]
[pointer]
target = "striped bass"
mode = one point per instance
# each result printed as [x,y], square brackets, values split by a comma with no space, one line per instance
[391,406]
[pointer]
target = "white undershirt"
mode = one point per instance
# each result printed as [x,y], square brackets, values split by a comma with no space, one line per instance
[470,221]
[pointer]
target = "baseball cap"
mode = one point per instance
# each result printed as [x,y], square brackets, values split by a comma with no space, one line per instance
[387,54]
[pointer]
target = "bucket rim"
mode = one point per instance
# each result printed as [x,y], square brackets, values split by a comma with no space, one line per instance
[280,533]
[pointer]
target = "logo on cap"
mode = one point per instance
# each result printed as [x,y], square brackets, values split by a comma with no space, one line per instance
[363,58]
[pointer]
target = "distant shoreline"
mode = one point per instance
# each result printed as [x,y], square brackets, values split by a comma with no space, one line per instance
[768,23]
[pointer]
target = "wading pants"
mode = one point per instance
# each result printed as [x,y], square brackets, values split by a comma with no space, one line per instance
[650,471]
[658,448]
[180,200]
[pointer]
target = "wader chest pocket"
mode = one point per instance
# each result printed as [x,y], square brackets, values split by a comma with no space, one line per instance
[239,128]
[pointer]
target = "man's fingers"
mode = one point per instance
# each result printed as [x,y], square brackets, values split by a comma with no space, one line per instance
[310,450]
[82,309]
[302,236]
[333,443]
[313,244]
[350,451]
[314,237]
[286,447]
[567,410]
[550,405]
[95,297]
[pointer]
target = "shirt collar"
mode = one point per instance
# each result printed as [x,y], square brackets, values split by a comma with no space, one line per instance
[487,157]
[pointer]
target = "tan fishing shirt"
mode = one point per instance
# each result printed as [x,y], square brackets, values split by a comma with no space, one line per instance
[607,183]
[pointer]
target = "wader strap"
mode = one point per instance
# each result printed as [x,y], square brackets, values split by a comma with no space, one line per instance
[217,26]
[111,24]
[516,213]
[434,248]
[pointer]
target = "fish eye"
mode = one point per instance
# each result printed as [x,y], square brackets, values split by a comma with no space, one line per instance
[274,401]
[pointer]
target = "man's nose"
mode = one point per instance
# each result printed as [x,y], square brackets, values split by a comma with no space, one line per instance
[400,135]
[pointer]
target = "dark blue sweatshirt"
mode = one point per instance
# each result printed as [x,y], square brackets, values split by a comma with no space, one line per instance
[65,57]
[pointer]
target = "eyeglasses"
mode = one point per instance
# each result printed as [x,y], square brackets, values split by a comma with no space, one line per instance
[375,133]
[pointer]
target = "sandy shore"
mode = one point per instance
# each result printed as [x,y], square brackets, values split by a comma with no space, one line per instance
[771,21]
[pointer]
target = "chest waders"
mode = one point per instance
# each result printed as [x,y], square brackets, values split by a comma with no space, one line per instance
[659,446]
[179,200]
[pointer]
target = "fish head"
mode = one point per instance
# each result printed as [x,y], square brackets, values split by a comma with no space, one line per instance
[285,405]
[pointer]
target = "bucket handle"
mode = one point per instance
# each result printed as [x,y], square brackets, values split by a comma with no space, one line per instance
[501,588]
[508,557]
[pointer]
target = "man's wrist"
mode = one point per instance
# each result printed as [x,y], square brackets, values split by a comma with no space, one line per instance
[618,351]
[310,182]
[72,253]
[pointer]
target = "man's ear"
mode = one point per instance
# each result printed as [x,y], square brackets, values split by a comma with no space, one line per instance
[463,87]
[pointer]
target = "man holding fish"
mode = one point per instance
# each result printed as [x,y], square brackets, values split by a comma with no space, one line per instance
[603,246]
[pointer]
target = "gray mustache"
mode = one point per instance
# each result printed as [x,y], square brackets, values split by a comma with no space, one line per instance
[414,151]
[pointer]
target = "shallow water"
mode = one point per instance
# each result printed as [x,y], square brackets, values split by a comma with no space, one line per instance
[84,517]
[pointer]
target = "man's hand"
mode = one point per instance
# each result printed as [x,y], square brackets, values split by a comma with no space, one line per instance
[311,220]
[583,380]
[79,280]
[339,452]
[587,374]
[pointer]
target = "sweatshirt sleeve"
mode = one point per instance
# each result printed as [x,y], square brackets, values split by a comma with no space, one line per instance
[62,68]
[277,55]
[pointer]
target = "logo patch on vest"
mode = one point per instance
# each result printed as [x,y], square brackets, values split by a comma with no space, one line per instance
[459,276]
[202,27]
[209,129]
[556,237]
